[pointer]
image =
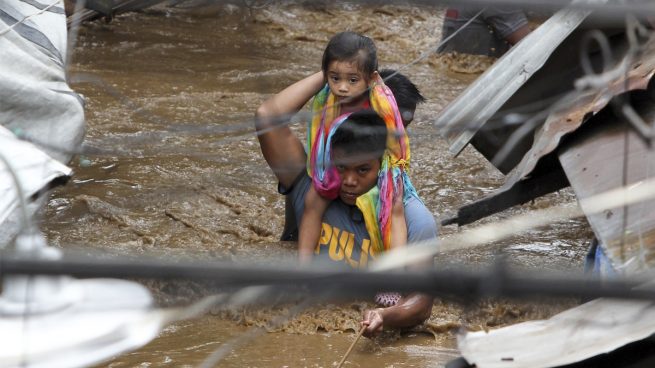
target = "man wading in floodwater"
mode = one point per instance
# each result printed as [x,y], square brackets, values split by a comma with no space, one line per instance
[344,237]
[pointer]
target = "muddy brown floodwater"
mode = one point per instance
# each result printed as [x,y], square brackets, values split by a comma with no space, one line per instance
[170,97]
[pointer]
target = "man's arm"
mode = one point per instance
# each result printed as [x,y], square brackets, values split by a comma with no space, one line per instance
[281,148]
[414,308]
[409,311]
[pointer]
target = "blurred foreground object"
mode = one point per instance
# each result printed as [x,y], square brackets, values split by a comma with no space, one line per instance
[51,321]
[36,103]
[58,321]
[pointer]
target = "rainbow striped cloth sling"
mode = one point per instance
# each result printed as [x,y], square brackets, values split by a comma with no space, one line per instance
[393,177]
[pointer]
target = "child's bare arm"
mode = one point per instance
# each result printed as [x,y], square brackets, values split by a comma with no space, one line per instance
[399,233]
[398,224]
[310,225]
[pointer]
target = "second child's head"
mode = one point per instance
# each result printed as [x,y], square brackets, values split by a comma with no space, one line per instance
[406,93]
[349,64]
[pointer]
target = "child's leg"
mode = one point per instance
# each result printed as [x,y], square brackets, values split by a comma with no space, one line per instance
[310,225]
[398,240]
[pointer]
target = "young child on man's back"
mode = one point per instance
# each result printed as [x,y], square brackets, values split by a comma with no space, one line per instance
[350,69]
[407,97]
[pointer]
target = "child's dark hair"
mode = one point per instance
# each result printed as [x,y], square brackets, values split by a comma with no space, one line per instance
[363,132]
[346,46]
[406,93]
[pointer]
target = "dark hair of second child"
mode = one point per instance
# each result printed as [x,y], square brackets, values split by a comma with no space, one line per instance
[405,92]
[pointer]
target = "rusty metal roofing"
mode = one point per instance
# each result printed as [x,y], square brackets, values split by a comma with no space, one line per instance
[582,109]
[536,174]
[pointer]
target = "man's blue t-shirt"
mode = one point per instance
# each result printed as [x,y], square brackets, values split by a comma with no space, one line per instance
[343,235]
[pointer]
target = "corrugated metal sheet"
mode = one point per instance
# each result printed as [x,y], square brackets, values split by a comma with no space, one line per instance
[536,174]
[583,108]
[611,155]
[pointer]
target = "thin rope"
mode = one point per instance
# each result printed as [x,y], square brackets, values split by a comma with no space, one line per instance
[345,356]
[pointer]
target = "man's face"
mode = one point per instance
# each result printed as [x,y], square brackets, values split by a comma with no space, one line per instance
[346,82]
[358,172]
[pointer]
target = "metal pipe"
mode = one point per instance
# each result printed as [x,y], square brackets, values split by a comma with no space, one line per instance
[470,285]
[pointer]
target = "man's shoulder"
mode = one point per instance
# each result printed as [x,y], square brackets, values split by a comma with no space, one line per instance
[416,207]
[299,186]
[421,223]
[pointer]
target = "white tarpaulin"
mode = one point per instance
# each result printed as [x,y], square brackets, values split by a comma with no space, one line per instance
[35,99]
[52,321]
[32,167]
[594,328]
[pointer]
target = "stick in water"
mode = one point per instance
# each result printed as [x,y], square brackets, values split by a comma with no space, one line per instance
[351,347]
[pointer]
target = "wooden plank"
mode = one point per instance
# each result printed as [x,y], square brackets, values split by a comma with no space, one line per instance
[610,155]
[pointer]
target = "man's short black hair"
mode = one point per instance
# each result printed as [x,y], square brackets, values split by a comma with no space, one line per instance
[363,132]
[406,93]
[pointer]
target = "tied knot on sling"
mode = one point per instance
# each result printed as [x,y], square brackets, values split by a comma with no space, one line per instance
[402,164]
